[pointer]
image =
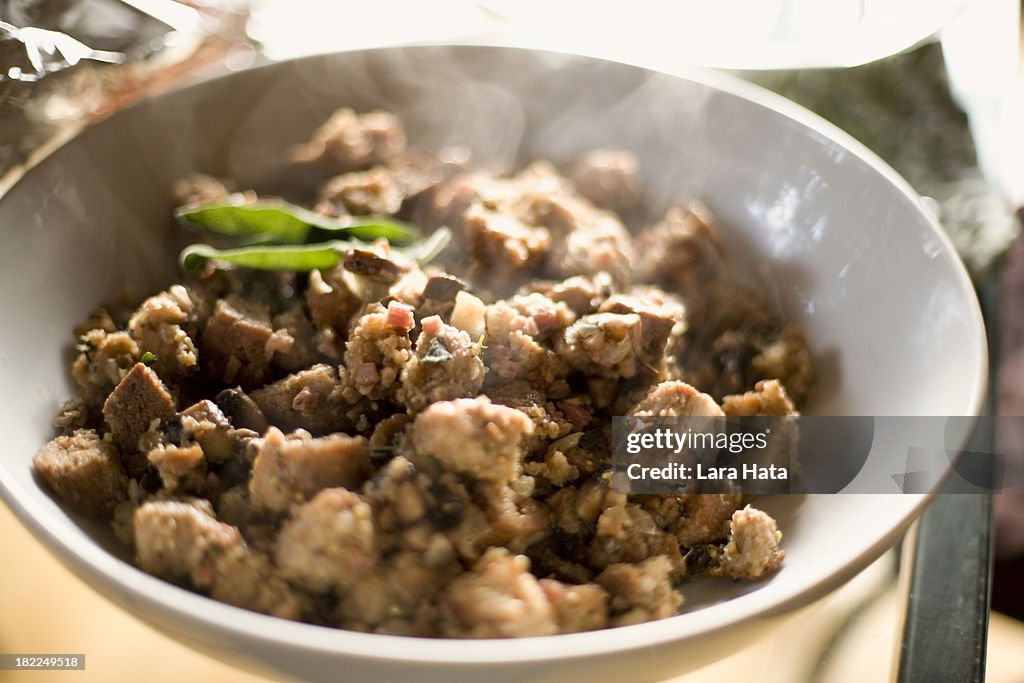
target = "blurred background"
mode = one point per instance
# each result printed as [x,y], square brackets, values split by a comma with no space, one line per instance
[933,86]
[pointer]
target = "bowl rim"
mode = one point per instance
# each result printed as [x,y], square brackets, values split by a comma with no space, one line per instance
[115,578]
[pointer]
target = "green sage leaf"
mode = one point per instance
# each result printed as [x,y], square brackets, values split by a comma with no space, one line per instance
[274,221]
[427,250]
[270,257]
[369,228]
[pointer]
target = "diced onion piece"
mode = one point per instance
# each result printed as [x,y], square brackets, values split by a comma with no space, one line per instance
[468,315]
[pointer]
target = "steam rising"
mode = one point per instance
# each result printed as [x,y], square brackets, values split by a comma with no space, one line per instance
[507,106]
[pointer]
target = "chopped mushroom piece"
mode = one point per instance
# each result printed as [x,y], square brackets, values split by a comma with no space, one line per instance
[243,411]
[204,424]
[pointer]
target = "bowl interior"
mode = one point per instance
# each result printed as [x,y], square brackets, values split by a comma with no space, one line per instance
[835,238]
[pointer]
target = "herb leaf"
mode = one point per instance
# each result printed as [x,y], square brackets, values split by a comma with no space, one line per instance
[148,358]
[369,228]
[271,257]
[257,222]
[84,345]
[428,249]
[274,221]
[299,257]
[437,352]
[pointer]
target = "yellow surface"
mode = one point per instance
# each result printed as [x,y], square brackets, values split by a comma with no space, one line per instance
[45,609]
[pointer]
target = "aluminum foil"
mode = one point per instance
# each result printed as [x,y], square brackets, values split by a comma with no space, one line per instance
[65,63]
[39,38]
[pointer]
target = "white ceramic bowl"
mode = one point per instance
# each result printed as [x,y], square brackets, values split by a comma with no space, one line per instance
[843,243]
